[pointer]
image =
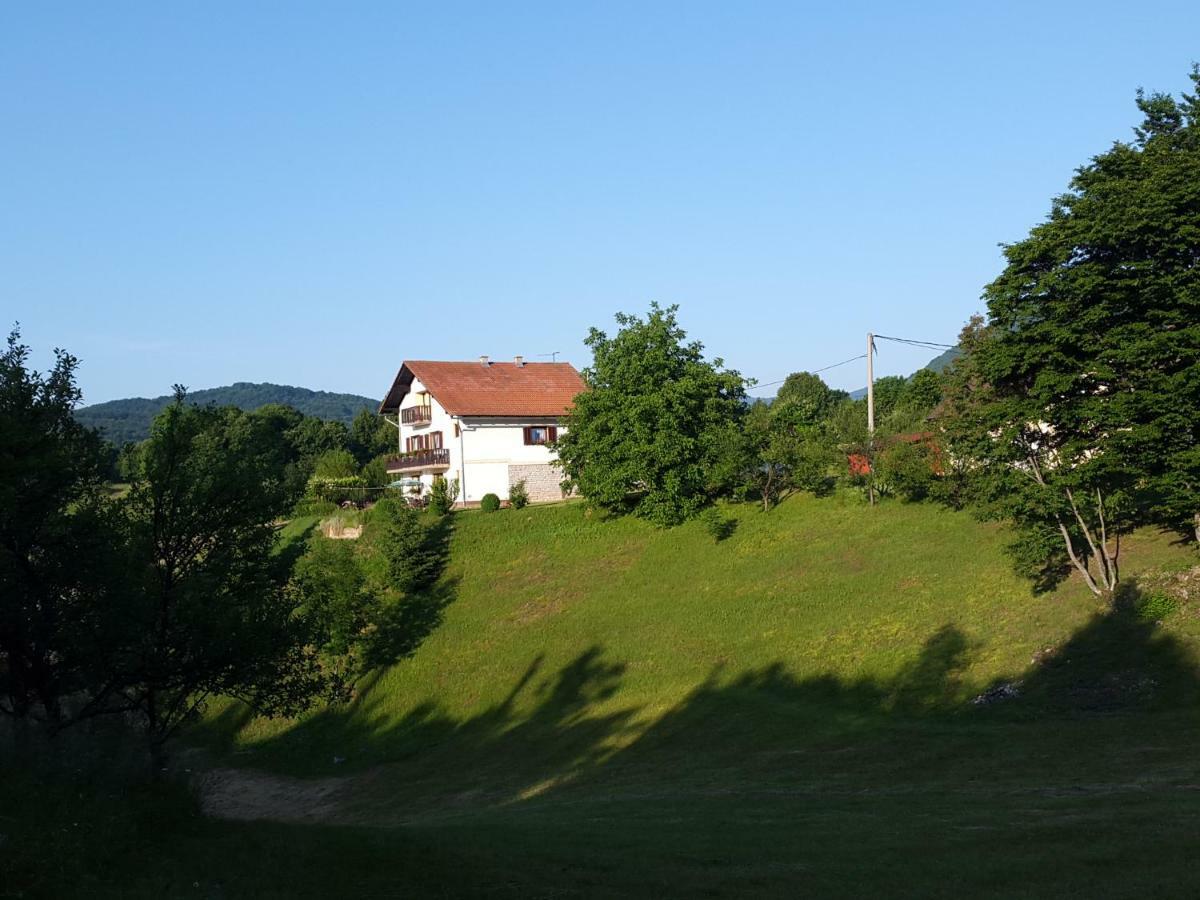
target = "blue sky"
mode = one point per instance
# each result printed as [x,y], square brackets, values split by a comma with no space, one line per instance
[307,194]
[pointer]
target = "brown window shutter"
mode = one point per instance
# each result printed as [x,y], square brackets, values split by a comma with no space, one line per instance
[528,435]
[552,434]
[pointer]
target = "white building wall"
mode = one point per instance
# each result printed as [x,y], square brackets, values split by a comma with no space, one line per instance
[440,420]
[482,452]
[491,445]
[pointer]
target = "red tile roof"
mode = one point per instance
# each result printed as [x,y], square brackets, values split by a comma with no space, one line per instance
[495,389]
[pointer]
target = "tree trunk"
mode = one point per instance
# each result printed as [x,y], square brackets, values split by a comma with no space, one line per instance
[1196,522]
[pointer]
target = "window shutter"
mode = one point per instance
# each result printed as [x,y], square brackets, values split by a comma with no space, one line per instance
[552,434]
[528,432]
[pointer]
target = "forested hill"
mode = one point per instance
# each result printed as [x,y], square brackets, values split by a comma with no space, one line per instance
[129,420]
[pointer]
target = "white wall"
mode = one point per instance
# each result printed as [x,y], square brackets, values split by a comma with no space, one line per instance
[480,457]
[441,421]
[490,445]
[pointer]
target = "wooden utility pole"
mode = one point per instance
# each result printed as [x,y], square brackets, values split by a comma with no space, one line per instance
[870,383]
[871,417]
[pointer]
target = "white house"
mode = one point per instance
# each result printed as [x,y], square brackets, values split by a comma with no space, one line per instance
[485,423]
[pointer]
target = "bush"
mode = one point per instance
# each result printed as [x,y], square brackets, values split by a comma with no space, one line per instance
[489,503]
[396,531]
[337,489]
[442,495]
[518,497]
[1155,607]
[333,599]
[312,506]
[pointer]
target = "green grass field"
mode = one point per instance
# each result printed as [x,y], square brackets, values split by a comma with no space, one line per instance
[604,709]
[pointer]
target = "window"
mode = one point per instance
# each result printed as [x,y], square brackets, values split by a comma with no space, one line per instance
[418,442]
[540,434]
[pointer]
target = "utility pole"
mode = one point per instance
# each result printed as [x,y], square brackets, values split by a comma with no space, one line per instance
[870,383]
[871,416]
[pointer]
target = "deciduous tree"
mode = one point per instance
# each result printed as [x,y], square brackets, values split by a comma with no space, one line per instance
[654,431]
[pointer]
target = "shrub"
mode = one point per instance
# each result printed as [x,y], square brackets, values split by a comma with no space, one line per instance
[395,530]
[489,503]
[442,495]
[337,489]
[518,497]
[1155,607]
[332,598]
[312,506]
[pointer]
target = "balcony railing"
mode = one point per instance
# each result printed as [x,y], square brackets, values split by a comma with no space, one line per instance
[419,459]
[416,415]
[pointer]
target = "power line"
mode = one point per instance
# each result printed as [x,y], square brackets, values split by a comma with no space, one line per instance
[932,345]
[929,345]
[815,371]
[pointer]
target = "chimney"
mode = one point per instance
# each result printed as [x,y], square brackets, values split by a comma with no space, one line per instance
[519,360]
[483,361]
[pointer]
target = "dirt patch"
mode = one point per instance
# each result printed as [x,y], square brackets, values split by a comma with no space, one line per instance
[246,794]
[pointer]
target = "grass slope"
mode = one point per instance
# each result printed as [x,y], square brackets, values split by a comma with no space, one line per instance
[609,710]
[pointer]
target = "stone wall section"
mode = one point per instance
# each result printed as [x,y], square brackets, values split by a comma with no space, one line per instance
[542,481]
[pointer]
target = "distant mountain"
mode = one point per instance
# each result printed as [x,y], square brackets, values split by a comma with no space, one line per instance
[940,363]
[129,420]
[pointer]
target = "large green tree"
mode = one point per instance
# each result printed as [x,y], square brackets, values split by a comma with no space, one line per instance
[657,430]
[1082,393]
[55,568]
[207,612]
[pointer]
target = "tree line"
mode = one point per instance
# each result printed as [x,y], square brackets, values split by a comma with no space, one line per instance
[1072,413]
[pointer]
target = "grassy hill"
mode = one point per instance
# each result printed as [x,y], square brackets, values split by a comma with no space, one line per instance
[129,420]
[605,709]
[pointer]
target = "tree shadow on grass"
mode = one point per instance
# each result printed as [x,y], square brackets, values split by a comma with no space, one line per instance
[557,729]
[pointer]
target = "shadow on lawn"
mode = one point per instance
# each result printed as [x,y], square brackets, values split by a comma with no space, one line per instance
[555,728]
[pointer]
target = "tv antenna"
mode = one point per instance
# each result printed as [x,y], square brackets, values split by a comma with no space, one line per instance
[553,355]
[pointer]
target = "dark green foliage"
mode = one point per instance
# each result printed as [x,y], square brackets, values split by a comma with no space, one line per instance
[907,468]
[396,531]
[54,522]
[335,464]
[129,420]
[889,393]
[657,432]
[788,444]
[518,496]
[1155,607]
[206,613]
[371,436]
[443,495]
[923,390]
[375,474]
[340,611]
[489,503]
[1082,390]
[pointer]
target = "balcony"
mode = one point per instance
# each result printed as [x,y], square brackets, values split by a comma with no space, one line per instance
[419,459]
[416,415]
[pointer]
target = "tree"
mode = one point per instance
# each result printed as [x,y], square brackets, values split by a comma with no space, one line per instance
[923,391]
[332,597]
[1080,395]
[395,530]
[207,612]
[653,432]
[808,396]
[370,437]
[55,570]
